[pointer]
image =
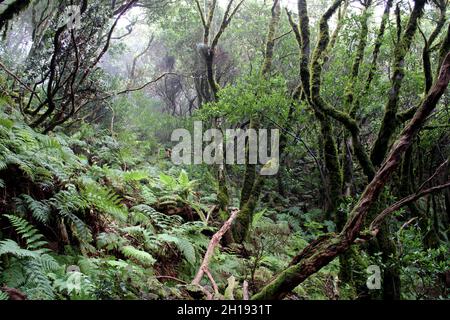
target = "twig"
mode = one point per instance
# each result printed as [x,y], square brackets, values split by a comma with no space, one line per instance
[406,224]
[214,284]
[374,226]
[15,77]
[283,35]
[438,170]
[210,213]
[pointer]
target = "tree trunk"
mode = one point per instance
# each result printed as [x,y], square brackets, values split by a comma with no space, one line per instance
[325,249]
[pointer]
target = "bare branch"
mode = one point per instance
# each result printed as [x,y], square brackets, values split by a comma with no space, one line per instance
[374,226]
[212,245]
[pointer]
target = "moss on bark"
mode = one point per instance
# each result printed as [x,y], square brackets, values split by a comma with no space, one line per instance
[390,123]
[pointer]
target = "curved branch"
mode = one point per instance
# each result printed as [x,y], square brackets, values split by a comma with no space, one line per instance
[374,226]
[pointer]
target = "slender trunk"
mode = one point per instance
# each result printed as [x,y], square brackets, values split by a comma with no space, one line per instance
[251,188]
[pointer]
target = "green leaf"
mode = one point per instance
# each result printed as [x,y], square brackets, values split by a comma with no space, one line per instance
[167,180]
[183,179]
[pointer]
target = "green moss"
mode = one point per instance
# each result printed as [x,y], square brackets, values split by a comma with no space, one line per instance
[390,121]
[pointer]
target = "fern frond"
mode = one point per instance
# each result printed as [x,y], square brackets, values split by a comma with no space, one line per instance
[183,245]
[3,164]
[47,142]
[148,195]
[139,256]
[106,201]
[38,285]
[82,231]
[3,296]
[31,235]
[14,274]
[39,210]
[110,241]
[159,220]
[48,263]
[11,247]
[138,217]
[67,203]
[135,175]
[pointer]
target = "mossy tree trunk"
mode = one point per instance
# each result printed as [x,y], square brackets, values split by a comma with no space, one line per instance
[252,185]
[326,248]
[213,86]
[390,122]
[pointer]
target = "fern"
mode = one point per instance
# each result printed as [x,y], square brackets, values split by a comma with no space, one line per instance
[38,285]
[135,175]
[48,263]
[31,273]
[11,247]
[7,123]
[159,220]
[138,217]
[14,274]
[148,196]
[66,202]
[77,285]
[3,164]
[31,235]
[110,241]
[3,296]
[136,231]
[46,142]
[183,245]
[138,255]
[106,201]
[24,164]
[39,210]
